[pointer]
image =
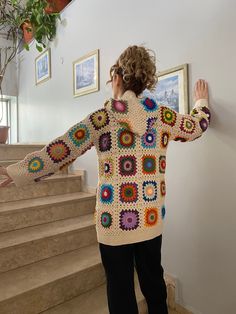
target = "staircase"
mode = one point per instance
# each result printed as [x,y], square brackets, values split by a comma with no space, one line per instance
[49,256]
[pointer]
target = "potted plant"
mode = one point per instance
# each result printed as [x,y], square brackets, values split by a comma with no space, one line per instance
[19,22]
[56,5]
[43,24]
[12,16]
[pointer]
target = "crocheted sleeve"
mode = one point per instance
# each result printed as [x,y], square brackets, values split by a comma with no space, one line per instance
[187,127]
[57,154]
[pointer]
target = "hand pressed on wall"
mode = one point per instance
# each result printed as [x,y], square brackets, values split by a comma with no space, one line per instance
[8,180]
[201,90]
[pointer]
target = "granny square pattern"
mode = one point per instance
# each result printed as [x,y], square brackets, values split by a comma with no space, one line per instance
[126,139]
[149,191]
[151,216]
[131,136]
[99,119]
[107,193]
[105,142]
[149,164]
[128,192]
[127,165]
[129,219]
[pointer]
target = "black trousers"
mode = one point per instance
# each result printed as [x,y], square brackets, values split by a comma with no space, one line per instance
[119,262]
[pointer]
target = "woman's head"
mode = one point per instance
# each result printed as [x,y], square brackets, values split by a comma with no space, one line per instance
[134,70]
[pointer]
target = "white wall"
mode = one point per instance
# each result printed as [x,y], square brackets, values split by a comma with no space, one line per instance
[198,241]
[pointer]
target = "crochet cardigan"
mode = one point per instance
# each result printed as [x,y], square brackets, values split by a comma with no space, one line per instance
[131,136]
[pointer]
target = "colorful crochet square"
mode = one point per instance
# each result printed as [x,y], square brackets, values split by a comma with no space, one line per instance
[162,164]
[105,142]
[168,116]
[149,104]
[149,191]
[67,163]
[180,139]
[107,193]
[45,176]
[126,138]
[163,188]
[207,112]
[128,192]
[79,134]
[129,219]
[99,119]
[163,212]
[127,165]
[58,151]
[203,124]
[149,139]
[150,122]
[187,125]
[107,167]
[106,219]
[151,217]
[119,106]
[36,164]
[149,164]
[165,136]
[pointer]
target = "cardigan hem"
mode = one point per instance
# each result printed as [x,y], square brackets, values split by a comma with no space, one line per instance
[129,238]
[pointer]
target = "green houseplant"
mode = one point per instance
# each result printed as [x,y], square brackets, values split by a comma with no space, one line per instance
[44,25]
[12,15]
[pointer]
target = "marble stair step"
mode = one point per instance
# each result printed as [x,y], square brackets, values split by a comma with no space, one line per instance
[95,302]
[18,151]
[25,213]
[32,244]
[36,287]
[57,184]
[6,163]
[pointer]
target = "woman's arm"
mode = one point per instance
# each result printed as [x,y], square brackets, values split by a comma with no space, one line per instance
[188,127]
[60,152]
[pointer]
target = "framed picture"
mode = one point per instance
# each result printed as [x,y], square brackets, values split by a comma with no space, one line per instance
[172,89]
[43,67]
[86,74]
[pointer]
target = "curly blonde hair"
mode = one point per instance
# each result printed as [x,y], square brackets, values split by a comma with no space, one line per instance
[137,66]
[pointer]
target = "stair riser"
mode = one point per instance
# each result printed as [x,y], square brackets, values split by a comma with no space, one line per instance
[17,256]
[17,152]
[54,293]
[40,189]
[35,216]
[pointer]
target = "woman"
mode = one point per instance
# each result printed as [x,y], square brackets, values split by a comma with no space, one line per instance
[131,135]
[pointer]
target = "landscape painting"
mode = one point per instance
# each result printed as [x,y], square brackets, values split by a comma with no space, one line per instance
[86,74]
[172,89]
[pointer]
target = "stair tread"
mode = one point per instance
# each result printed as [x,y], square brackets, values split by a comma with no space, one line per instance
[26,278]
[54,178]
[29,234]
[10,160]
[93,301]
[44,201]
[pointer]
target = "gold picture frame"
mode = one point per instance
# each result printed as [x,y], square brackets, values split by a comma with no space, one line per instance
[172,89]
[86,74]
[43,67]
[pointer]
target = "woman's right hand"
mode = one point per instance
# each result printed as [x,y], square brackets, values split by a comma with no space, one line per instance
[8,180]
[201,90]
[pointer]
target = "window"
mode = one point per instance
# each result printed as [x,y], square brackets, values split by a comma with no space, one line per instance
[8,117]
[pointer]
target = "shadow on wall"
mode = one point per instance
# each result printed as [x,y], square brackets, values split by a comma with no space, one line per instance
[224,123]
